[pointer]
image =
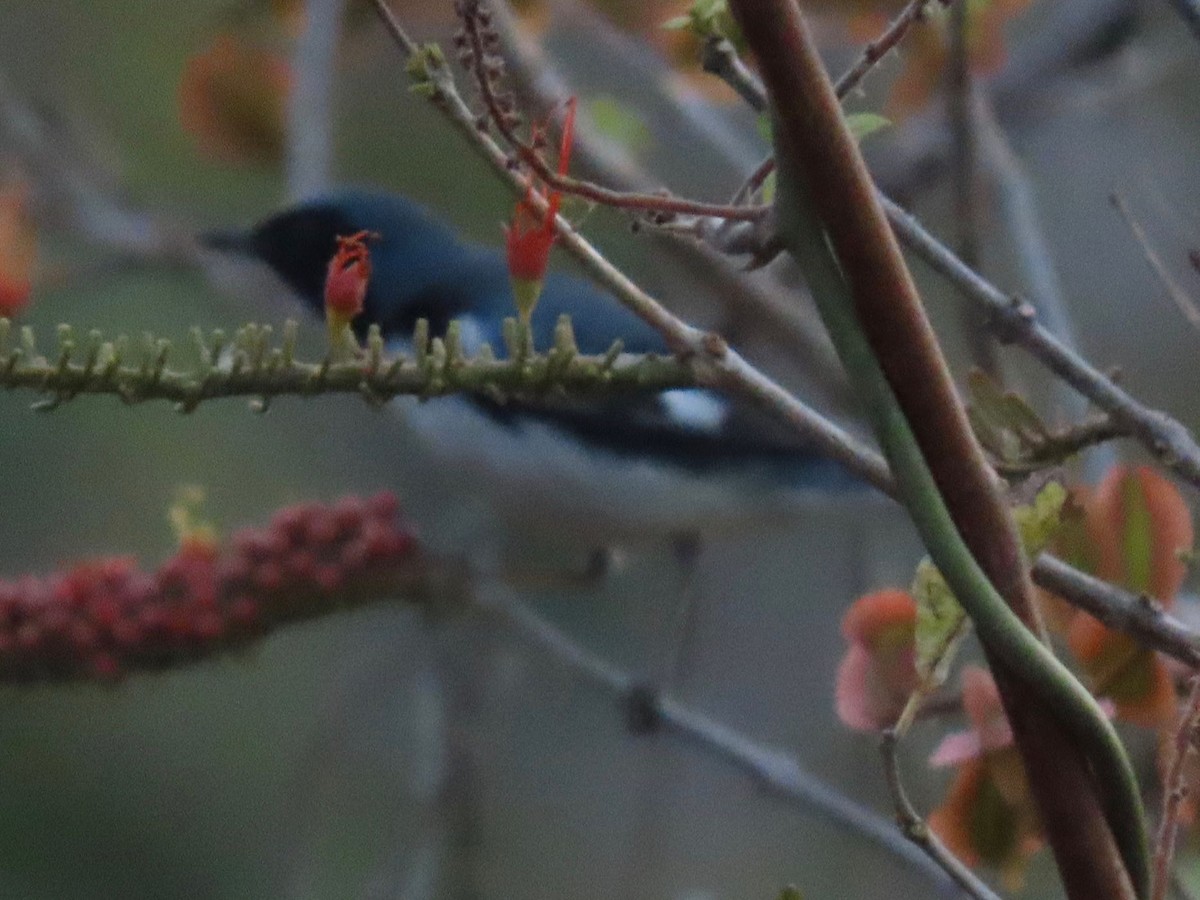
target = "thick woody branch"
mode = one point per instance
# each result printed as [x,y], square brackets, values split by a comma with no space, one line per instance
[810,128]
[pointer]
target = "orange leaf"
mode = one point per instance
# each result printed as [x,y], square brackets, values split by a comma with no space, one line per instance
[18,248]
[878,672]
[232,101]
[1138,523]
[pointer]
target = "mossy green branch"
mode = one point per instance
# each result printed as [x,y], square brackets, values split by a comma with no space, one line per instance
[255,363]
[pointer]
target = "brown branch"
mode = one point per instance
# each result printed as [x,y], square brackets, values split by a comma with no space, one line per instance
[1174,791]
[811,129]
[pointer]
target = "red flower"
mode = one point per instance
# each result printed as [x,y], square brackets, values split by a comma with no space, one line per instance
[347,277]
[346,283]
[878,672]
[529,237]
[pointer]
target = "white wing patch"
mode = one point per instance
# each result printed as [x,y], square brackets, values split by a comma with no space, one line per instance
[694,409]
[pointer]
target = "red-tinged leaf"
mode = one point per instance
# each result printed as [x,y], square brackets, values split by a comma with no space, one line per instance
[878,672]
[981,702]
[1119,668]
[952,820]
[980,826]
[232,99]
[1138,523]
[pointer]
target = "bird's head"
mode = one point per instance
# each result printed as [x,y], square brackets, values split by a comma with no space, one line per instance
[420,268]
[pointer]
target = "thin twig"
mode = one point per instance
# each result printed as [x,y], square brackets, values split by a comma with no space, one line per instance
[1185,304]
[877,49]
[770,307]
[1140,617]
[503,121]
[719,57]
[1189,11]
[778,772]
[738,76]
[965,183]
[714,362]
[913,827]
[1016,321]
[1174,790]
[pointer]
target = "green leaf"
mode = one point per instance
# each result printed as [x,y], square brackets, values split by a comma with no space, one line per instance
[941,625]
[791,892]
[768,189]
[1004,422]
[705,19]
[1040,522]
[1138,539]
[866,123]
[620,123]
[763,126]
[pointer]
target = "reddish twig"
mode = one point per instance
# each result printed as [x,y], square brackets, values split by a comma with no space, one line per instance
[751,90]
[105,618]
[1185,304]
[1174,791]
[877,49]
[477,43]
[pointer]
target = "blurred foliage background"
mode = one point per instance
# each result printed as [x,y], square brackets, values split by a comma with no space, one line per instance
[316,765]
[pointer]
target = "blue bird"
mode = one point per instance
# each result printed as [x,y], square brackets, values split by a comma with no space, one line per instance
[683,460]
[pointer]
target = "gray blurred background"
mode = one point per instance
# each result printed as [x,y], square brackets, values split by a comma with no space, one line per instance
[375,754]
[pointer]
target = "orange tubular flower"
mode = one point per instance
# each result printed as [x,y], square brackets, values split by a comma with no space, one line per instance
[346,283]
[1137,523]
[878,672]
[530,236]
[988,817]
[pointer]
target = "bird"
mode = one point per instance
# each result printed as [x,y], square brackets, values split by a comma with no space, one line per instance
[665,463]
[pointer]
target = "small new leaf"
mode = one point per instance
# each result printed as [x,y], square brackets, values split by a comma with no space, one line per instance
[705,19]
[866,123]
[1040,522]
[941,625]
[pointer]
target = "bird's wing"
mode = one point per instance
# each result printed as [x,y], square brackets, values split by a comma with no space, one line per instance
[692,428]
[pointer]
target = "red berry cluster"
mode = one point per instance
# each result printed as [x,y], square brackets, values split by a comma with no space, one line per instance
[103,618]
